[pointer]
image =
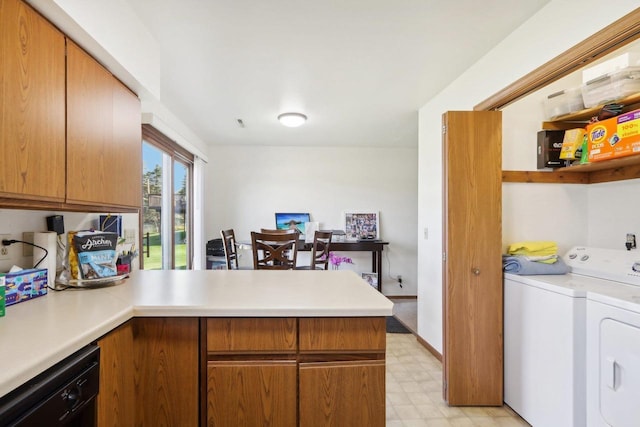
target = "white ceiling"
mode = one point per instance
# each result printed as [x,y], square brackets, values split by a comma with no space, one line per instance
[359,69]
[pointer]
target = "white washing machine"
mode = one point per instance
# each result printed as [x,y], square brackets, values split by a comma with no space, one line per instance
[545,334]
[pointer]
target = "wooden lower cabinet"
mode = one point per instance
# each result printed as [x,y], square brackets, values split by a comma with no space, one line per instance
[149,373]
[115,403]
[243,372]
[166,356]
[342,394]
[295,371]
[252,393]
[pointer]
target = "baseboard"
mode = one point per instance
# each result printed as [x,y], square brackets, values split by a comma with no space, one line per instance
[429,348]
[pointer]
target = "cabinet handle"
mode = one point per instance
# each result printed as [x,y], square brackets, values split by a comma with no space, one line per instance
[610,372]
[476,271]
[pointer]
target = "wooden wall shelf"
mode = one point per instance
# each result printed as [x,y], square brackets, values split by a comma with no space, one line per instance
[630,102]
[605,171]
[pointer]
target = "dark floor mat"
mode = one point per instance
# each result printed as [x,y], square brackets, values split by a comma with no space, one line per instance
[395,327]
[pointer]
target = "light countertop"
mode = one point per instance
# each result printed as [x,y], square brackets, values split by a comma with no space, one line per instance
[38,333]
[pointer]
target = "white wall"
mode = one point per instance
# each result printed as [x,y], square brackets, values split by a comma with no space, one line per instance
[544,36]
[15,221]
[247,185]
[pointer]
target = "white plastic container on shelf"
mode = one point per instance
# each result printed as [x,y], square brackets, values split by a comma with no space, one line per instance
[611,87]
[563,102]
[618,63]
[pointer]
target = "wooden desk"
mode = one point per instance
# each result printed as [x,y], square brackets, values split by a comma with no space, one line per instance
[375,247]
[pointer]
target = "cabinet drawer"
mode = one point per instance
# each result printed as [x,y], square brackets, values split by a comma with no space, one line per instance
[342,334]
[251,335]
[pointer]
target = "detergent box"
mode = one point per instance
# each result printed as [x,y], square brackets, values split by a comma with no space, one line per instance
[572,144]
[615,137]
[24,285]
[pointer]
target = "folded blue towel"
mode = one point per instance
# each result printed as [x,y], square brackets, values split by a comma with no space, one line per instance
[524,266]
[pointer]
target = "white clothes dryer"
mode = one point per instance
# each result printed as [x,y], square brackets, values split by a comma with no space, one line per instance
[547,372]
[613,358]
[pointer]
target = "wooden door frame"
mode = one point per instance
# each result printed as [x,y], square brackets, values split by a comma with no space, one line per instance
[620,33]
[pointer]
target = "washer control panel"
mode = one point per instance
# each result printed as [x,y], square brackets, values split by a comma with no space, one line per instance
[612,264]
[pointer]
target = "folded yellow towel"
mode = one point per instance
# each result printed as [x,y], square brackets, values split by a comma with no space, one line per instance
[533,248]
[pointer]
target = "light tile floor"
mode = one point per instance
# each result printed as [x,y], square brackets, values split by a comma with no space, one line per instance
[414,392]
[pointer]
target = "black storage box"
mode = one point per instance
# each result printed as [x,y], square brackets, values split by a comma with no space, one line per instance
[549,147]
[215,247]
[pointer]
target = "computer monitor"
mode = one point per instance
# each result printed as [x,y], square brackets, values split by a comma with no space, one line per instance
[286,220]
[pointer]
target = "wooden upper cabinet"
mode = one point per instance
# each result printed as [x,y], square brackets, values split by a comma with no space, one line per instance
[104,146]
[32,105]
[127,146]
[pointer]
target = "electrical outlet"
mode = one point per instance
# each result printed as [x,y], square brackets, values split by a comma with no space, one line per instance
[4,250]
[631,241]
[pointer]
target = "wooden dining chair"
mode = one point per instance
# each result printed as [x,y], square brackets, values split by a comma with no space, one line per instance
[230,249]
[319,251]
[274,251]
[279,230]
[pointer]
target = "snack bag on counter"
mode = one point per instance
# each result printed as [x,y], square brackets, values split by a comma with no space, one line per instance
[72,256]
[92,254]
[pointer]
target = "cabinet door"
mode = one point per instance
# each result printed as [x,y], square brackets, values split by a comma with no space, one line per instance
[126,163]
[251,393]
[472,267]
[104,147]
[166,360]
[32,105]
[342,394]
[115,405]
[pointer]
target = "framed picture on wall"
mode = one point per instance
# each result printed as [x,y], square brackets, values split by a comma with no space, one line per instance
[361,225]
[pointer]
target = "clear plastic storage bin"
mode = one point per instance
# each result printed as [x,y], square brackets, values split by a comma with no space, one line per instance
[563,102]
[611,87]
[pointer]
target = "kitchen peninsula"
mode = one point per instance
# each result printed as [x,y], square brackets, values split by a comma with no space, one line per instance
[215,347]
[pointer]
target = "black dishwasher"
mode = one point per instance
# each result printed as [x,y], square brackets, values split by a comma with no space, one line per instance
[63,395]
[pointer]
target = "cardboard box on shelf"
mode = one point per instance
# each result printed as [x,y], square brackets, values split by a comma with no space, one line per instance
[615,137]
[549,146]
[572,144]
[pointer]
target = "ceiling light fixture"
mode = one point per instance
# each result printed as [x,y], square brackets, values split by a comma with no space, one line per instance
[292,120]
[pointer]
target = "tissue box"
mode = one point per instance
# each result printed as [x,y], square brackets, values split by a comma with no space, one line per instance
[24,285]
[615,137]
